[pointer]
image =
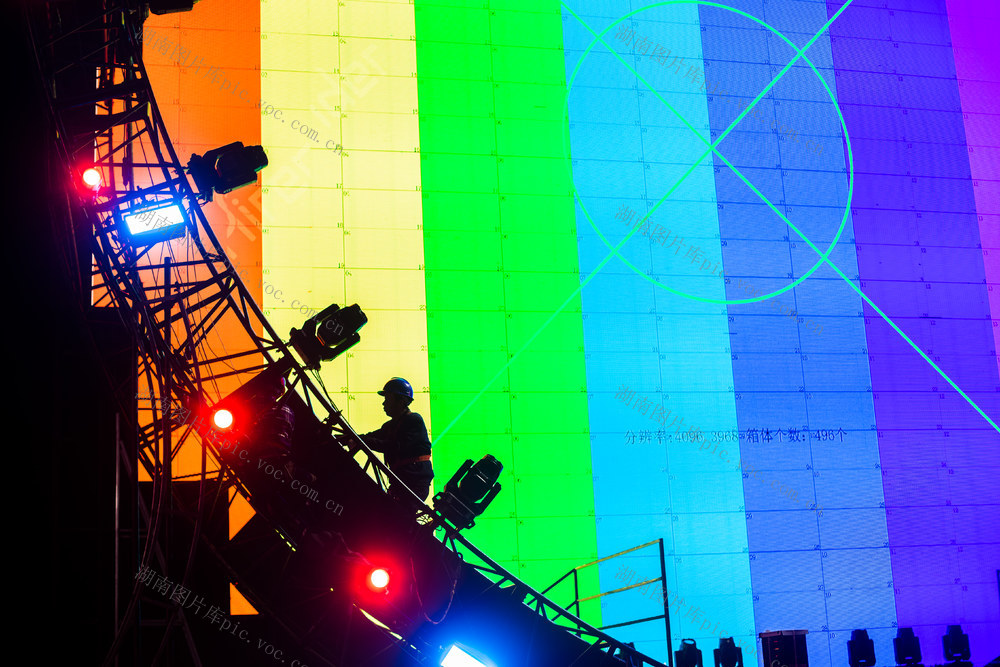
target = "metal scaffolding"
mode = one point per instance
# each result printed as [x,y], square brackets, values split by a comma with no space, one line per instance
[178,297]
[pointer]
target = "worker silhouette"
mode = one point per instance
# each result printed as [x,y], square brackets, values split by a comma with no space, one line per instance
[403,439]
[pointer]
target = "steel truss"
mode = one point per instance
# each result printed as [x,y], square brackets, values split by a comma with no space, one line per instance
[176,307]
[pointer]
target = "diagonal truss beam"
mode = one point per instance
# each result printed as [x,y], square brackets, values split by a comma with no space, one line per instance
[174,307]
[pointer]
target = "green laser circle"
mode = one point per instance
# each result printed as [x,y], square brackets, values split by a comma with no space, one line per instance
[836,106]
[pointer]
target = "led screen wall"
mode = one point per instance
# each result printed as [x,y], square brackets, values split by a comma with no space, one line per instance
[592,233]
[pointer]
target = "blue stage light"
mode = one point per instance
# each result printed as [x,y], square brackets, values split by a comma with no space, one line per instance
[459,657]
[154,224]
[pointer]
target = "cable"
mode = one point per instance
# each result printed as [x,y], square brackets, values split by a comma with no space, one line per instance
[416,585]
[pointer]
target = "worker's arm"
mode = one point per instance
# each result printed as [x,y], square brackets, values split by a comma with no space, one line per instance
[376,440]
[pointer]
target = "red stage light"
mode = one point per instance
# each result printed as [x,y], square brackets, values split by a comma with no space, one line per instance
[378,579]
[222,419]
[92,178]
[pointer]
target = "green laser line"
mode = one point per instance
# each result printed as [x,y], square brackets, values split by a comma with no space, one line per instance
[608,257]
[824,257]
[800,53]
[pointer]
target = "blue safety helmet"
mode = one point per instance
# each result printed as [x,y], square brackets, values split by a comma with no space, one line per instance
[397,386]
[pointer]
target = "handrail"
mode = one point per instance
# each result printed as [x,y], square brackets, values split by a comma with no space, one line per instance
[662,578]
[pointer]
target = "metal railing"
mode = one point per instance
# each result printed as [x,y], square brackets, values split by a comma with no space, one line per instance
[575,574]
